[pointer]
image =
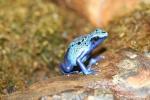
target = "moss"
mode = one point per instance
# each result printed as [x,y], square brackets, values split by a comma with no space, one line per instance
[131,30]
[32,38]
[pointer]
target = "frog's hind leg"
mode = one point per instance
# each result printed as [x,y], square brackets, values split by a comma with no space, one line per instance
[67,69]
[61,67]
[94,60]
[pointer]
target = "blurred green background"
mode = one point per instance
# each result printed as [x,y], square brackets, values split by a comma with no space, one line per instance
[33,37]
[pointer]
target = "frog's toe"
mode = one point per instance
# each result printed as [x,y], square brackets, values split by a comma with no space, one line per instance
[89,72]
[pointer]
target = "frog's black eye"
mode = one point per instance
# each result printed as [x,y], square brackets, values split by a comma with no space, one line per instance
[103,32]
[94,39]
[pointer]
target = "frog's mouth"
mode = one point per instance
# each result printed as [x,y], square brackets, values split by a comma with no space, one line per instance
[105,35]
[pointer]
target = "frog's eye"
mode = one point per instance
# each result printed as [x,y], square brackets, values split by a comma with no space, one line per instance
[94,39]
[103,32]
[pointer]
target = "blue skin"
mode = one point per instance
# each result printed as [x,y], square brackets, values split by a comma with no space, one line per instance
[80,50]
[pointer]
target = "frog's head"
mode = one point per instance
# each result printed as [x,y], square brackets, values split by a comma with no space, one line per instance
[98,35]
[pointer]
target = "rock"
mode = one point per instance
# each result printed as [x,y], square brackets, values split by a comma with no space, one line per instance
[100,12]
[134,75]
[121,75]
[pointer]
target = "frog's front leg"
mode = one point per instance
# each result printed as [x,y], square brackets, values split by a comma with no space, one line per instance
[82,66]
[94,60]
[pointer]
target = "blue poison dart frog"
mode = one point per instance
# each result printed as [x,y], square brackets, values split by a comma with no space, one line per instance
[79,51]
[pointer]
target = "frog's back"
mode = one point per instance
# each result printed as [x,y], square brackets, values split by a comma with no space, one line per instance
[75,49]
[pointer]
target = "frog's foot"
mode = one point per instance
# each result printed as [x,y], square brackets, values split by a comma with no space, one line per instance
[93,61]
[67,73]
[89,72]
[79,72]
